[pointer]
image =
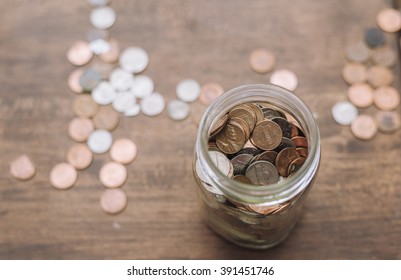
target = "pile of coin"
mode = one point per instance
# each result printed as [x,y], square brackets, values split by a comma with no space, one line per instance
[257,145]
[368,72]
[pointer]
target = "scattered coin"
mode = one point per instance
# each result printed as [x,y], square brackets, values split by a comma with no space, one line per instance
[364,127]
[100,141]
[106,118]
[63,176]
[73,80]
[188,90]
[113,175]
[121,80]
[354,73]
[103,17]
[94,34]
[262,61]
[284,78]
[344,113]
[123,101]
[262,173]
[79,156]
[388,122]
[113,201]
[267,135]
[123,151]
[104,69]
[389,20]
[80,53]
[104,93]
[133,111]
[357,52]
[384,56]
[153,105]
[142,87]
[374,37]
[379,76]
[79,129]
[134,60]
[361,95]
[98,3]
[84,106]
[386,98]
[99,46]
[89,79]
[113,54]
[209,92]
[178,110]
[22,168]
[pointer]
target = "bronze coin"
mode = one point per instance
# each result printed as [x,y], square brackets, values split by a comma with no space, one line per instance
[269,156]
[113,175]
[79,129]
[106,118]
[354,73]
[286,126]
[218,126]
[361,95]
[284,159]
[295,165]
[249,150]
[262,173]
[209,92]
[285,143]
[241,122]
[80,53]
[388,122]
[22,168]
[303,152]
[123,151]
[267,135]
[241,178]
[240,163]
[63,176]
[257,110]
[385,56]
[364,127]
[284,78]
[79,156]
[244,113]
[300,142]
[211,146]
[389,20]
[85,106]
[262,61]
[113,201]
[264,210]
[296,131]
[379,76]
[386,98]
[73,80]
[231,138]
[269,113]
[113,54]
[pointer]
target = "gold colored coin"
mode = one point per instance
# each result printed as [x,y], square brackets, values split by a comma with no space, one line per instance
[106,118]
[231,138]
[267,135]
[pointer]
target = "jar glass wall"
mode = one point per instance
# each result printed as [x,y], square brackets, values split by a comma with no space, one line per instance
[228,206]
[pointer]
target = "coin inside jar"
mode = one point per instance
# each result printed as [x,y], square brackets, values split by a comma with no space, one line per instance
[267,135]
[113,175]
[262,173]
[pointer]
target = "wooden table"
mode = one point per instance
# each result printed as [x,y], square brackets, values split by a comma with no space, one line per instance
[353,211]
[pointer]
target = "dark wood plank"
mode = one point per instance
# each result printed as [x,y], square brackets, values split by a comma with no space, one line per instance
[353,211]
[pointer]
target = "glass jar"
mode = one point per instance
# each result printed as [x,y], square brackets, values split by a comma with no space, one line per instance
[222,199]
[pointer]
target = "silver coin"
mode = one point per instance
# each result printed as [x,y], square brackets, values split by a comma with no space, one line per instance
[89,79]
[200,172]
[123,101]
[103,17]
[99,46]
[133,111]
[121,80]
[221,162]
[134,60]
[100,141]
[98,3]
[178,110]
[344,112]
[188,90]
[357,52]
[143,86]
[153,105]
[104,93]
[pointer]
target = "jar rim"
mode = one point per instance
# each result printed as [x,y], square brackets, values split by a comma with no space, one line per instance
[266,194]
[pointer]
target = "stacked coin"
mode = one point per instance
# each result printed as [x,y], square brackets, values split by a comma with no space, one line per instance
[256,145]
[368,72]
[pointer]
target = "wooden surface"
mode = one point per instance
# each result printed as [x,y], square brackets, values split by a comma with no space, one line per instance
[353,211]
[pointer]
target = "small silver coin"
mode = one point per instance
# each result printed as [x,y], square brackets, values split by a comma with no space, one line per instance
[103,17]
[89,79]
[121,80]
[153,105]
[123,101]
[221,162]
[143,86]
[188,90]
[99,46]
[134,60]
[104,93]
[178,110]
[100,141]
[344,112]
[133,111]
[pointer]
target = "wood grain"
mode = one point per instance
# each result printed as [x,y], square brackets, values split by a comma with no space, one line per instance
[353,211]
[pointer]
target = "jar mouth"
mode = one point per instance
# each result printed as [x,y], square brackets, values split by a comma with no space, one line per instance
[283,99]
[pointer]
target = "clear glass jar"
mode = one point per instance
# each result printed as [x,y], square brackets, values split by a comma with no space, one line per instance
[222,198]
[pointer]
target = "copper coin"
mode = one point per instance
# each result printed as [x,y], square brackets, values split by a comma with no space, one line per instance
[286,126]
[300,141]
[361,95]
[231,138]
[284,78]
[388,122]
[245,113]
[79,156]
[249,150]
[80,53]
[386,98]
[357,52]
[79,129]
[379,76]
[123,151]
[106,118]
[385,56]
[295,165]
[284,159]
[240,163]
[303,152]
[73,80]
[264,210]
[296,131]
[267,135]
[269,156]
[243,124]
[63,176]
[285,143]
[85,106]
[209,92]
[389,20]
[211,146]
[113,175]
[22,168]
[218,126]
[113,54]
[257,110]
[113,201]
[364,127]
[354,73]
[262,173]
[262,61]
[241,178]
